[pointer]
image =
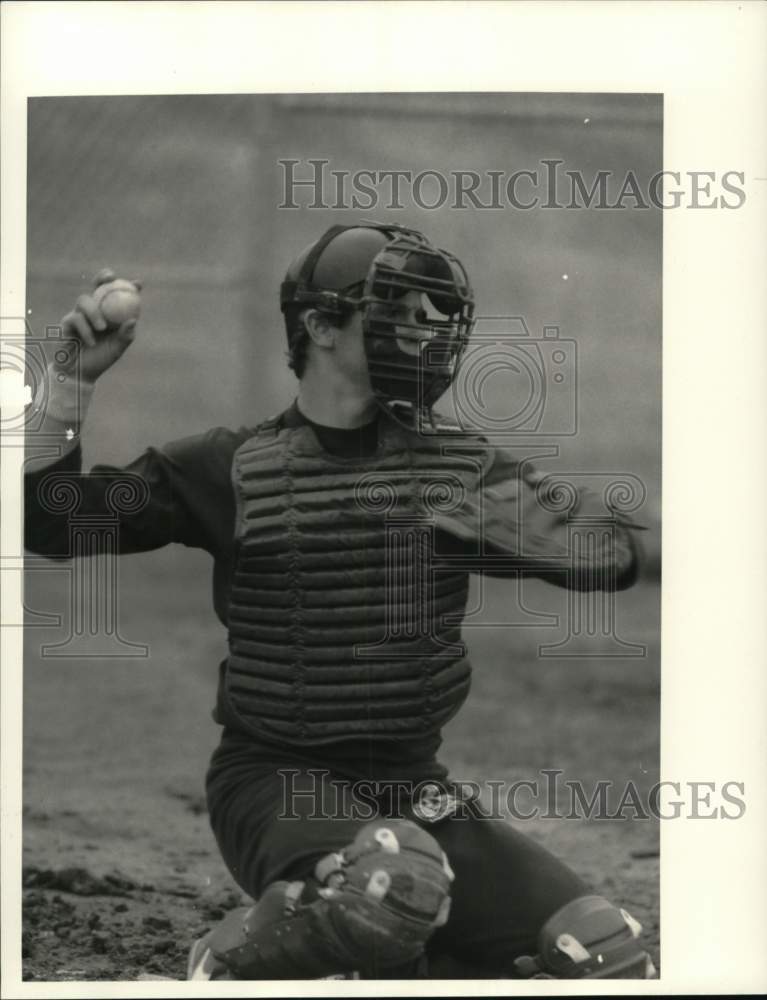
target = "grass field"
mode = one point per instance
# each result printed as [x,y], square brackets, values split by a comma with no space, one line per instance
[120,869]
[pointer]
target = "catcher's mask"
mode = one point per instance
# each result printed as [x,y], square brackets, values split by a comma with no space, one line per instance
[416,302]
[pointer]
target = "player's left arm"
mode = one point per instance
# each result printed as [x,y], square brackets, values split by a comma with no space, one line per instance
[510,531]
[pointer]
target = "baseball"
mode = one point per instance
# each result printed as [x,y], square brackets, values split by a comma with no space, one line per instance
[118,301]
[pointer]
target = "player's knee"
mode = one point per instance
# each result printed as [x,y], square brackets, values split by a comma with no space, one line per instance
[589,938]
[373,905]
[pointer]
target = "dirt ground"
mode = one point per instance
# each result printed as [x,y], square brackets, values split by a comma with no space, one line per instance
[121,871]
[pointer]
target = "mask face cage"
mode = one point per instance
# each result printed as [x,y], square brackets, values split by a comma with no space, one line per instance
[417,315]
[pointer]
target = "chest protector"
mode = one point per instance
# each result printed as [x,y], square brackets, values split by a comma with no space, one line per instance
[341,622]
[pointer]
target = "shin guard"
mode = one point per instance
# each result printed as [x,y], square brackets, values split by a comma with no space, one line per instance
[588,938]
[377,903]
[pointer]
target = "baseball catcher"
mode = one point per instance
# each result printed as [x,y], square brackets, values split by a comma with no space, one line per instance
[343,532]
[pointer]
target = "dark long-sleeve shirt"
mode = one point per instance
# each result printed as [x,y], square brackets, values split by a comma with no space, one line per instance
[190,500]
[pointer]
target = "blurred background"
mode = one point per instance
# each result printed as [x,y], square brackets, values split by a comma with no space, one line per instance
[184,193]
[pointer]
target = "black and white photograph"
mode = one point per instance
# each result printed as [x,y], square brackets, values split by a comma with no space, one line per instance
[338,415]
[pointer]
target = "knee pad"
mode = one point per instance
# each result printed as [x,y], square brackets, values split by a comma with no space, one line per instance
[376,904]
[589,938]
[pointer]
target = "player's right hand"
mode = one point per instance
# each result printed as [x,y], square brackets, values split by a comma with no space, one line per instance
[99,346]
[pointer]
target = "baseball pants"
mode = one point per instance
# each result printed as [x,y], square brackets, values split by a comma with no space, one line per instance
[275,818]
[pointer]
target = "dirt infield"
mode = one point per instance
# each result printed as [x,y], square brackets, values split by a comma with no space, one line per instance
[121,871]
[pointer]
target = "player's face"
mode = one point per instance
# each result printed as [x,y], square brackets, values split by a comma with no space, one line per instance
[408,314]
[349,353]
[410,317]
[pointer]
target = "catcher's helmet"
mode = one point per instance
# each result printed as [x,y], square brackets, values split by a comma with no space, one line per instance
[368,266]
